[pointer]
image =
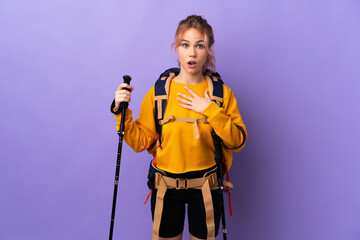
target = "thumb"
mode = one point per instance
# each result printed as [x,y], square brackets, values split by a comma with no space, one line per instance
[206,94]
[117,104]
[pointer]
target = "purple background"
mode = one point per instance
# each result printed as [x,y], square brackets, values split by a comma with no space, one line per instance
[293,66]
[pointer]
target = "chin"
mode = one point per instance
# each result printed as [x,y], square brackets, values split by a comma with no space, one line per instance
[192,70]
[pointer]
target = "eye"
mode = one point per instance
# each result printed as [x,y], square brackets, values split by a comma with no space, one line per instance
[185,45]
[200,46]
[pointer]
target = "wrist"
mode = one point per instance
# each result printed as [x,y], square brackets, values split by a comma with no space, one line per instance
[210,109]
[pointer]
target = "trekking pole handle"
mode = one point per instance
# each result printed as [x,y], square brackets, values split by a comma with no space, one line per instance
[127,80]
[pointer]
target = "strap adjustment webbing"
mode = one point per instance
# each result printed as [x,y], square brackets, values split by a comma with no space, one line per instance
[196,121]
[184,183]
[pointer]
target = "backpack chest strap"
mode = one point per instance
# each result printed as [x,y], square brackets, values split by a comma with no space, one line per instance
[196,121]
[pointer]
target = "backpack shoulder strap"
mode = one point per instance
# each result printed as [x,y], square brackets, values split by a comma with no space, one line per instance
[215,85]
[218,99]
[162,86]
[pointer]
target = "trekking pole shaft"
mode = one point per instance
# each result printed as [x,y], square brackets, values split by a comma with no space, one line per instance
[123,106]
[222,208]
[218,159]
[117,172]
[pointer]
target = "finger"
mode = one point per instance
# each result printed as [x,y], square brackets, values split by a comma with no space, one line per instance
[185,96]
[125,92]
[124,85]
[123,99]
[184,101]
[121,86]
[122,94]
[186,106]
[191,92]
[128,89]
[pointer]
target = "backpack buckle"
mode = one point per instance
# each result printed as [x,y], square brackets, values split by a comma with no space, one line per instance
[212,179]
[181,183]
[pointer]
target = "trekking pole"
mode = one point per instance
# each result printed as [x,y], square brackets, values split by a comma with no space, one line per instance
[218,159]
[122,108]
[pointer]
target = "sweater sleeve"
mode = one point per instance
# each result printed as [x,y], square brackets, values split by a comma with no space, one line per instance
[141,134]
[227,122]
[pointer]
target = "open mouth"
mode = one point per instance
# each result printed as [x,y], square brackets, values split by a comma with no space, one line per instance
[192,63]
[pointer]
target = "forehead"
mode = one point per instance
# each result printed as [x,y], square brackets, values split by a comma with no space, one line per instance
[192,35]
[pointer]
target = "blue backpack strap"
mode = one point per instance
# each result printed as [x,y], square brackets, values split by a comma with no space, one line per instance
[218,97]
[161,97]
[216,86]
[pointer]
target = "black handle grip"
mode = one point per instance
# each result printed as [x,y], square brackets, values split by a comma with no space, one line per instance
[127,80]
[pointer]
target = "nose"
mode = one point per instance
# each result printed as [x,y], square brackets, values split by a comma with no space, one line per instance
[192,52]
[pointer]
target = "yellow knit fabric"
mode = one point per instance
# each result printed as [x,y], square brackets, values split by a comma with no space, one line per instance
[180,152]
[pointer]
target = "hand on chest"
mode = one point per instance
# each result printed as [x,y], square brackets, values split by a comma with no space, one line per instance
[173,105]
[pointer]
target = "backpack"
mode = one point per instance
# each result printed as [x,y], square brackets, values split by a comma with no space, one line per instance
[162,86]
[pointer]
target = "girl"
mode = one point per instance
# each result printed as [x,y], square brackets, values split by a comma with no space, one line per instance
[185,151]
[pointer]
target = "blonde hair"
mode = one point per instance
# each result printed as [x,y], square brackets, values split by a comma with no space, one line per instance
[199,23]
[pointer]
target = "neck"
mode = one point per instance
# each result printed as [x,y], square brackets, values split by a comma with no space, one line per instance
[189,78]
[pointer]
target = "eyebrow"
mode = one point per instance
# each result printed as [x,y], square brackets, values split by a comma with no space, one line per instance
[184,40]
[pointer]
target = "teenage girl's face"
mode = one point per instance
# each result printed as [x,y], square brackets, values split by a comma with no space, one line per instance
[192,52]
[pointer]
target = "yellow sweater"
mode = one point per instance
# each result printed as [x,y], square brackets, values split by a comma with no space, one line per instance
[180,152]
